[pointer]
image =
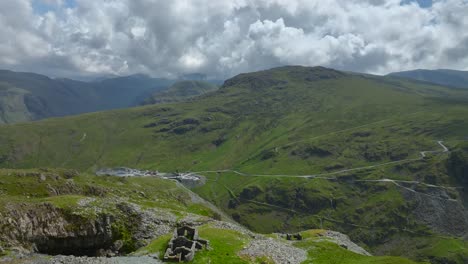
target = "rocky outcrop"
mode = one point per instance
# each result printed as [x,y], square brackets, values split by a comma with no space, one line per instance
[47,229]
[147,224]
[343,241]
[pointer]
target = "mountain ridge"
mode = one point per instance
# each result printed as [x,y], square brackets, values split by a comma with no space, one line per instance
[447,77]
[44,97]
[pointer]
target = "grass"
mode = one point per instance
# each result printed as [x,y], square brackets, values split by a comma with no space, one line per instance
[235,125]
[290,120]
[64,189]
[227,244]
[157,246]
[331,253]
[436,249]
[224,246]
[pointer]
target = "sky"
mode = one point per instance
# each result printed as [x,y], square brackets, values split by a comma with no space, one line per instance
[69,38]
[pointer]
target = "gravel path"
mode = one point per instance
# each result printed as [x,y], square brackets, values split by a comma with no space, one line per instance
[87,260]
[280,253]
[117,260]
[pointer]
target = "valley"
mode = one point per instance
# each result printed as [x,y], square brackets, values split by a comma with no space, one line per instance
[380,159]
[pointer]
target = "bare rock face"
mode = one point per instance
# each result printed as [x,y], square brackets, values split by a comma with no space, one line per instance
[47,229]
[446,216]
[147,224]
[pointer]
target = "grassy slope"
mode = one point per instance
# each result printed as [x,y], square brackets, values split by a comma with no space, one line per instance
[285,121]
[231,127]
[26,188]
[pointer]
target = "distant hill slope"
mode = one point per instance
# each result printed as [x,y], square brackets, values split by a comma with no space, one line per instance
[289,149]
[451,78]
[130,90]
[180,91]
[29,96]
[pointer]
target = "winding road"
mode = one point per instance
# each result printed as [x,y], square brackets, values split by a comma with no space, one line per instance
[324,175]
[441,143]
[321,175]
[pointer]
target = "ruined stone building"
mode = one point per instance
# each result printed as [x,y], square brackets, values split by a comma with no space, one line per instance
[183,245]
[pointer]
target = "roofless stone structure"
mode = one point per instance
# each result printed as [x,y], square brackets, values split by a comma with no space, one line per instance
[183,245]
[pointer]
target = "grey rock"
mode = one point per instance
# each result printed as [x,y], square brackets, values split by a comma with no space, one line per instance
[446,216]
[42,177]
[344,241]
[280,252]
[47,229]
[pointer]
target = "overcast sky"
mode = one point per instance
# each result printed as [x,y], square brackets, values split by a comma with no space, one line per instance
[225,37]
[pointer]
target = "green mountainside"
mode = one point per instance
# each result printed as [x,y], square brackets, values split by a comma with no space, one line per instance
[291,149]
[181,91]
[451,78]
[63,212]
[29,96]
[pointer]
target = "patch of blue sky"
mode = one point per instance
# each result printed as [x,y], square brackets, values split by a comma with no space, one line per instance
[44,6]
[422,3]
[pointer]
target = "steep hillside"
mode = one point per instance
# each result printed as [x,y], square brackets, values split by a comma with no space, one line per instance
[451,78]
[181,91]
[13,106]
[249,116]
[129,91]
[28,96]
[290,149]
[82,216]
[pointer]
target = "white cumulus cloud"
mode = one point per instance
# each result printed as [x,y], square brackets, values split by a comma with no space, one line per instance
[225,37]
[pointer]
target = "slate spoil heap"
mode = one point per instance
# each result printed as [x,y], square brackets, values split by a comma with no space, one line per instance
[183,245]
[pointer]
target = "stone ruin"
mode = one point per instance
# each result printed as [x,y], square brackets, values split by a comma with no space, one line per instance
[294,236]
[183,245]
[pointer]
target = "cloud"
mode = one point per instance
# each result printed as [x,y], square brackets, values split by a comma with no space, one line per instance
[226,37]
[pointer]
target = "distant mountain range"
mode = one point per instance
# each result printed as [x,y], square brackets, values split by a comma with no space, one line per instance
[181,91]
[443,77]
[30,96]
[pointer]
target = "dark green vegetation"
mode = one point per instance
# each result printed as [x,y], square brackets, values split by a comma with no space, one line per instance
[292,121]
[78,200]
[451,78]
[323,252]
[181,91]
[28,96]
